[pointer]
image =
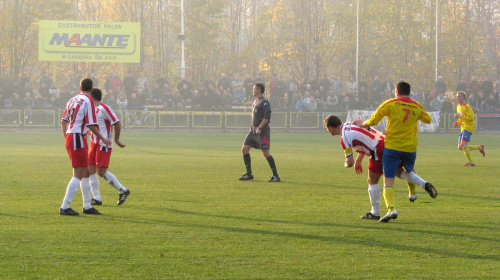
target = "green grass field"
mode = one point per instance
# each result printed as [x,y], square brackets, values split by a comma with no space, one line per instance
[188,217]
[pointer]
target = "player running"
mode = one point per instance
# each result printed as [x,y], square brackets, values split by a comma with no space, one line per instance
[78,117]
[100,153]
[465,118]
[369,142]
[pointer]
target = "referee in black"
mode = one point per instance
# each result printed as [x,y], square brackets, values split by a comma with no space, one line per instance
[259,136]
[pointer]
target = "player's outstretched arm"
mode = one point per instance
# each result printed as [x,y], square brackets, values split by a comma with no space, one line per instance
[118,129]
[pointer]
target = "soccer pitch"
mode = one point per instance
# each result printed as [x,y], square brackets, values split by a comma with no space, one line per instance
[188,216]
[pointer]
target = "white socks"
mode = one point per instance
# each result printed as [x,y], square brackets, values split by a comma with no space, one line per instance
[374,193]
[111,179]
[70,192]
[412,177]
[86,194]
[94,186]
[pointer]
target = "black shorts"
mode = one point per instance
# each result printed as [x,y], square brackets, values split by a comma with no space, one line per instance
[262,141]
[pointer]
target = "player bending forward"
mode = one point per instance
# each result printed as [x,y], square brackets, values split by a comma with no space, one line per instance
[100,153]
[370,142]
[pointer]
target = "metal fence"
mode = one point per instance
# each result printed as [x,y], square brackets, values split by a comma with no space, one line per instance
[208,120]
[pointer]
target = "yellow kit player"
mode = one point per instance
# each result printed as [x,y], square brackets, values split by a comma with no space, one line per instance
[401,142]
[465,118]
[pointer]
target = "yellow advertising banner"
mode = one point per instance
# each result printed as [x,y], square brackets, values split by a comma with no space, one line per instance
[85,41]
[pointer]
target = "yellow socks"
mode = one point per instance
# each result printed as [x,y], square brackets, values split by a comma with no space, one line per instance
[411,188]
[390,201]
[467,150]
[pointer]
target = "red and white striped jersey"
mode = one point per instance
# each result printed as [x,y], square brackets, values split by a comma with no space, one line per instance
[361,140]
[106,118]
[79,113]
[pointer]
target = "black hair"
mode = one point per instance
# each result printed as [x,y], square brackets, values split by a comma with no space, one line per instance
[96,94]
[261,87]
[403,88]
[332,121]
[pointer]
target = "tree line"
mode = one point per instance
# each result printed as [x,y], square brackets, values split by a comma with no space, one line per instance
[304,38]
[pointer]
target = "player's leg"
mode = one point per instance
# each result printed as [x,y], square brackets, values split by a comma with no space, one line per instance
[272,165]
[374,174]
[390,163]
[265,145]
[250,141]
[93,178]
[78,156]
[413,178]
[463,141]
[103,159]
[87,194]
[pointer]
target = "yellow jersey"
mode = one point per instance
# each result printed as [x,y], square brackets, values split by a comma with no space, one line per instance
[466,119]
[403,115]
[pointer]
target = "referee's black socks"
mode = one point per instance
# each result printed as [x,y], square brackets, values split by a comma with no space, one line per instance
[248,163]
[270,160]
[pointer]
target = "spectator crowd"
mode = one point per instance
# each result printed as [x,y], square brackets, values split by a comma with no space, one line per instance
[136,91]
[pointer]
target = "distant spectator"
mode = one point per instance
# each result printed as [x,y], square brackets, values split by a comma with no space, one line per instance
[135,103]
[224,81]
[447,106]
[312,105]
[227,99]
[116,83]
[357,104]
[122,101]
[440,85]
[129,83]
[248,86]
[236,82]
[491,103]
[196,100]
[473,102]
[474,86]
[346,104]
[39,101]
[301,105]
[143,84]
[435,104]
[331,101]
[16,100]
[352,87]
[337,86]
[45,79]
[238,96]
[44,91]
[59,102]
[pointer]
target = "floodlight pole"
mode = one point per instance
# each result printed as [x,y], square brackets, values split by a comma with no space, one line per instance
[357,45]
[183,61]
[436,67]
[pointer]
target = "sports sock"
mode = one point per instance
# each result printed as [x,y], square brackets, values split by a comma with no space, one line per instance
[412,177]
[270,160]
[467,154]
[390,201]
[411,188]
[111,179]
[94,186]
[474,148]
[248,163]
[70,192]
[86,193]
[374,193]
